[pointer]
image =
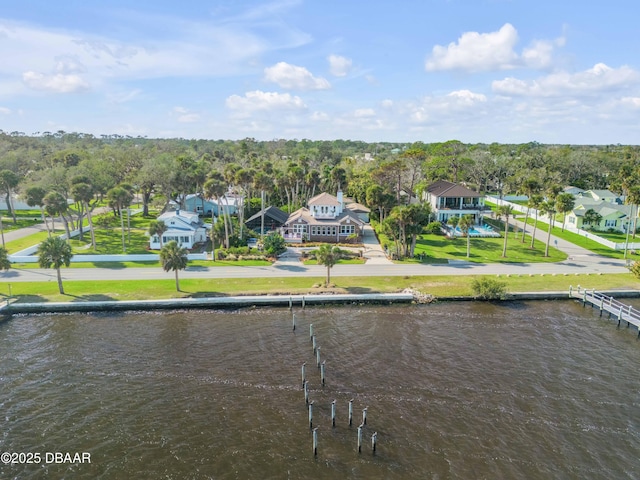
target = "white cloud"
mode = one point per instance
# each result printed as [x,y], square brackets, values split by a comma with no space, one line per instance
[294,77]
[467,97]
[212,48]
[595,80]
[5,111]
[339,66]
[364,113]
[257,101]
[631,101]
[476,52]
[185,116]
[387,103]
[57,83]
[319,117]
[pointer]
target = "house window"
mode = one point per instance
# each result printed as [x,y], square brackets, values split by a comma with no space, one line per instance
[572,220]
[299,228]
[347,229]
[610,223]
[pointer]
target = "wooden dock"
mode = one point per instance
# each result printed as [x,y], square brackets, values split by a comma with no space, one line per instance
[615,309]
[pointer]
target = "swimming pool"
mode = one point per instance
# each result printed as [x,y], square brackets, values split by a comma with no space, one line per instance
[477,231]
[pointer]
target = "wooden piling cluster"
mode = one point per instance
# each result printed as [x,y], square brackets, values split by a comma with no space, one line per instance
[321,364]
[606,303]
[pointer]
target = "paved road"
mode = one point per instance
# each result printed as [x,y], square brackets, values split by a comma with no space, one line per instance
[580,261]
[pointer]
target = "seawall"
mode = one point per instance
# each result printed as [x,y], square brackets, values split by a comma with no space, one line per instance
[209,302]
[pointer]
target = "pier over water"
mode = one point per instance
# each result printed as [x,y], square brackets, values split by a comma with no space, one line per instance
[606,303]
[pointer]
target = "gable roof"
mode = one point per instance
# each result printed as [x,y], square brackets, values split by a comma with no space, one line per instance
[324,198]
[443,188]
[305,215]
[358,208]
[271,212]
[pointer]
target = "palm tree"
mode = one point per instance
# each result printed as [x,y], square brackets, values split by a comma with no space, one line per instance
[119,198]
[157,227]
[215,187]
[466,224]
[5,262]
[529,187]
[549,209]
[56,204]
[535,202]
[592,218]
[328,255]
[633,199]
[34,197]
[506,211]
[564,204]
[173,257]
[55,252]
[8,182]
[83,193]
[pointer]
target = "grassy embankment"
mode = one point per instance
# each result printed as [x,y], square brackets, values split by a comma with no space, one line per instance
[439,286]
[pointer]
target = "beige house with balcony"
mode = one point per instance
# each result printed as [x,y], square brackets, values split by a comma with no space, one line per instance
[326,219]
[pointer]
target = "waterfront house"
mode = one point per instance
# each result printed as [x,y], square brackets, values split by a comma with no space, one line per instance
[197,203]
[449,199]
[185,228]
[325,220]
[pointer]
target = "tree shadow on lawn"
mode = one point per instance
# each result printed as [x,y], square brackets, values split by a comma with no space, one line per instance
[97,297]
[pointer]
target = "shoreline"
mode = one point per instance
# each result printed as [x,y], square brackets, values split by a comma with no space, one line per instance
[290,301]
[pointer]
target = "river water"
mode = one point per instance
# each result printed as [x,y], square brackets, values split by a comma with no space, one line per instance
[523,390]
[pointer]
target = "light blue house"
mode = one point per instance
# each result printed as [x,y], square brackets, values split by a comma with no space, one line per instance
[196,203]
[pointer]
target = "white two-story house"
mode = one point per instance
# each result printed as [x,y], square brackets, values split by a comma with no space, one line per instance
[449,199]
[185,228]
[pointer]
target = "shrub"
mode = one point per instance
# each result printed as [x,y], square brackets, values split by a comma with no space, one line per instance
[274,244]
[635,269]
[485,288]
[434,228]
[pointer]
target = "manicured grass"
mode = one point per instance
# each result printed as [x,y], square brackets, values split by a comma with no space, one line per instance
[440,286]
[9,226]
[17,245]
[439,249]
[595,247]
[110,242]
[146,264]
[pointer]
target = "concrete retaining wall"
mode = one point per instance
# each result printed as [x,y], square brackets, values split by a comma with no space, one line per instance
[213,302]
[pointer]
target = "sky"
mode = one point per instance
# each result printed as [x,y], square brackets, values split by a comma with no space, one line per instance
[479,71]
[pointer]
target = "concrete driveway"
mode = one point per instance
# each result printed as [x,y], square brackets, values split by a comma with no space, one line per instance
[372,250]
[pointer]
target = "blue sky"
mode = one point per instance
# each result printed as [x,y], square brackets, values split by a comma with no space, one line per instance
[432,70]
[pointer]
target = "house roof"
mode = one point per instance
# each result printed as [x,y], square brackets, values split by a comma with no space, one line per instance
[605,209]
[357,208]
[271,212]
[305,215]
[443,188]
[324,198]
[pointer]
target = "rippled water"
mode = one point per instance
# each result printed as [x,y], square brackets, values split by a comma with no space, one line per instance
[534,390]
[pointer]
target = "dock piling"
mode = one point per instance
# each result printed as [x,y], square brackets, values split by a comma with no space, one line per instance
[304,373]
[315,442]
[333,413]
[360,438]
[374,442]
[311,415]
[351,412]
[322,372]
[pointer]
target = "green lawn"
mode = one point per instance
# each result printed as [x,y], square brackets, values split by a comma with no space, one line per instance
[485,250]
[595,247]
[110,242]
[440,286]
[435,249]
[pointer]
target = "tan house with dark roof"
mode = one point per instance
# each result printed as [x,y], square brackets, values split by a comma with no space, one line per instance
[449,199]
[326,219]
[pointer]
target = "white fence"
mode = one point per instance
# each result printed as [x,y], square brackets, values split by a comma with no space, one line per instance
[583,233]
